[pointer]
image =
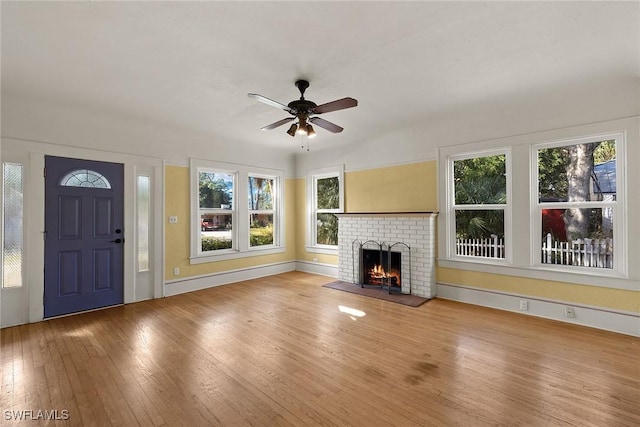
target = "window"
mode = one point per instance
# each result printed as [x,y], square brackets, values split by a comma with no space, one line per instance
[85,178]
[216,209]
[326,199]
[224,228]
[261,211]
[144,217]
[479,206]
[12,222]
[577,207]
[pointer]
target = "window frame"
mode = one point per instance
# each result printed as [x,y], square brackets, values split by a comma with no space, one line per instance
[23,178]
[617,208]
[452,207]
[312,198]
[240,212]
[275,191]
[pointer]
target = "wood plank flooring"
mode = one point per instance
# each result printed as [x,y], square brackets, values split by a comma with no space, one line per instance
[278,351]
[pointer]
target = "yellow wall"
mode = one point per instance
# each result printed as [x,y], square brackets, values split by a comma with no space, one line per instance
[411,187]
[406,188]
[177,235]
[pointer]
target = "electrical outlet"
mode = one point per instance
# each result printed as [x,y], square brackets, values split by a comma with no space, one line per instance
[173,219]
[524,305]
[569,312]
[176,271]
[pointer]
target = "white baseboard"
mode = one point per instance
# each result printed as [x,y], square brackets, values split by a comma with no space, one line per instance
[595,317]
[317,268]
[189,284]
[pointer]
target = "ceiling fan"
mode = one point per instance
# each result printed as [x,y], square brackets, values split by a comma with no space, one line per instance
[302,110]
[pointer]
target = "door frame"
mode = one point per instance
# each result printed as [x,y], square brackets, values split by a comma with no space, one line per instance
[34,221]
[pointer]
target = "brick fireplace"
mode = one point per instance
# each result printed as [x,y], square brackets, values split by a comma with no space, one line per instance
[411,237]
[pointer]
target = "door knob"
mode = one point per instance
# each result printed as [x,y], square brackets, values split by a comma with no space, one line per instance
[118,241]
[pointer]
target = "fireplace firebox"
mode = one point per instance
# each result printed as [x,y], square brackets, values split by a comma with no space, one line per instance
[381,264]
[378,270]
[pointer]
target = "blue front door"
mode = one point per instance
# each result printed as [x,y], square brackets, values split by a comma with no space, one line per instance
[84,246]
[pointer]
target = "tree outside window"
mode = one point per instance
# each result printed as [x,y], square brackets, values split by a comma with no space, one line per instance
[216,210]
[480,200]
[327,202]
[261,211]
[577,203]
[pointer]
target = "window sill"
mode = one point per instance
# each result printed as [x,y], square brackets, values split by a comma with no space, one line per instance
[253,252]
[322,250]
[601,278]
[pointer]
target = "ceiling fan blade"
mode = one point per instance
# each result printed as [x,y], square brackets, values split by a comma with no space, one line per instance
[278,123]
[331,127]
[340,104]
[270,102]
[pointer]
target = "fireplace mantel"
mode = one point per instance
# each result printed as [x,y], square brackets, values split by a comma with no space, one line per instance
[387,214]
[415,229]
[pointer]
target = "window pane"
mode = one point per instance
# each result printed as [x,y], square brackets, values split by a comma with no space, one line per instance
[216,190]
[481,180]
[261,229]
[328,193]
[217,232]
[480,233]
[577,173]
[327,229]
[13,215]
[143,223]
[578,237]
[85,178]
[260,193]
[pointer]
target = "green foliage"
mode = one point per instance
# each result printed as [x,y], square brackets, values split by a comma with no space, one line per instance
[215,190]
[552,173]
[260,236]
[260,193]
[327,229]
[328,193]
[214,244]
[480,181]
[605,151]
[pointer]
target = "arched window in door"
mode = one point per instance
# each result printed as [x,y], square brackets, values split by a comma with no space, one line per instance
[85,178]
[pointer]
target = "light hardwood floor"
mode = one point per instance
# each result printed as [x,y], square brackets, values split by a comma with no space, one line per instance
[278,351]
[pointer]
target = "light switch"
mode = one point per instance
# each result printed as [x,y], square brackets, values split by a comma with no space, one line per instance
[173,220]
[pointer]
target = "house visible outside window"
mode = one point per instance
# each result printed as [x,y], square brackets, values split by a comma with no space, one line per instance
[236,211]
[216,208]
[479,205]
[326,200]
[578,204]
[12,223]
[261,210]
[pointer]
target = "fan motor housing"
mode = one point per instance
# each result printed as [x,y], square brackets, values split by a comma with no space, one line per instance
[302,106]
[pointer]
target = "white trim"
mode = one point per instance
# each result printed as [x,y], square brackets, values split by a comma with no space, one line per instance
[330,270]
[196,283]
[595,317]
[240,212]
[587,277]
[34,213]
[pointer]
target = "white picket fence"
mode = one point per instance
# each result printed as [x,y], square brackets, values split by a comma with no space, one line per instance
[582,252]
[492,247]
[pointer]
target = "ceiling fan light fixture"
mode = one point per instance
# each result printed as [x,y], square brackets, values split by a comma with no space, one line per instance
[302,126]
[292,129]
[310,132]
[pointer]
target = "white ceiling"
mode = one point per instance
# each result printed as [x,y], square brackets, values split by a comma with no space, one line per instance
[190,65]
